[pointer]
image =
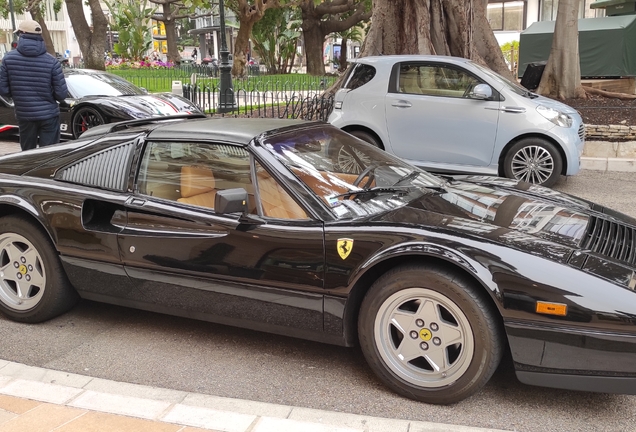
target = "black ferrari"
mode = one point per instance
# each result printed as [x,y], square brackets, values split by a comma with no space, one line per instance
[96,98]
[300,229]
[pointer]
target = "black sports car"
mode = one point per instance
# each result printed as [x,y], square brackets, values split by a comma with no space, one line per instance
[96,98]
[300,229]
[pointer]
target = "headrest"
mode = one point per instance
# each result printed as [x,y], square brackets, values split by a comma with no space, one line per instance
[196,180]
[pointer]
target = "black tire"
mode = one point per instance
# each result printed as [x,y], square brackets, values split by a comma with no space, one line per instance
[367,137]
[84,119]
[29,263]
[535,161]
[441,359]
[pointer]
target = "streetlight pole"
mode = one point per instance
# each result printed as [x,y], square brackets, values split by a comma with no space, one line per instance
[226,96]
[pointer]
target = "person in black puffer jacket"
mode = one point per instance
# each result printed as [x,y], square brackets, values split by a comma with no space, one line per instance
[35,81]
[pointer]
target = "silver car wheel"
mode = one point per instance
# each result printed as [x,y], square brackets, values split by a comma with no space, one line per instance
[424,337]
[533,164]
[347,163]
[22,275]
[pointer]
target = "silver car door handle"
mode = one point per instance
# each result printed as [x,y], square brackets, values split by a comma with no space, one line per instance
[137,202]
[402,104]
[514,110]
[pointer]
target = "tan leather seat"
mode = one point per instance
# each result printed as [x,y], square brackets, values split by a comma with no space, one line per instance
[409,82]
[197,186]
[276,201]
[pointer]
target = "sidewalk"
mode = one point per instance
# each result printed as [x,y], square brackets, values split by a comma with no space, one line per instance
[42,400]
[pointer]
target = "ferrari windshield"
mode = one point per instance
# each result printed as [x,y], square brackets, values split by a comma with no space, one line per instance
[354,179]
[100,84]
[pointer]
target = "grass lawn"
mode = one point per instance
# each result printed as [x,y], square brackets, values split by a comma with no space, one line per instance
[161,79]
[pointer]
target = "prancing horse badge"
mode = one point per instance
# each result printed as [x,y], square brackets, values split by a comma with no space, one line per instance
[344,247]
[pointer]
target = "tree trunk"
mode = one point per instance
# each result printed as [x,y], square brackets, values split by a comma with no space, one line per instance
[562,74]
[36,14]
[314,41]
[92,43]
[442,27]
[241,47]
[342,61]
[173,55]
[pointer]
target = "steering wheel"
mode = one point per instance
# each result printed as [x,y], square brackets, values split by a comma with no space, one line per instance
[367,171]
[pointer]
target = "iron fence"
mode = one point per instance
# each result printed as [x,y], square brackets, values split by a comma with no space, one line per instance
[161,80]
[307,104]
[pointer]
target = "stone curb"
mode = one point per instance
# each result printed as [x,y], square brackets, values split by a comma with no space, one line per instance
[192,409]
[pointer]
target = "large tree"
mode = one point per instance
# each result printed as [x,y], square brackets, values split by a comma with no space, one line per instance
[91,39]
[443,27]
[172,11]
[248,13]
[562,74]
[326,17]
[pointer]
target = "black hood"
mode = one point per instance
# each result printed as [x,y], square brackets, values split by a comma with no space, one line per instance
[502,210]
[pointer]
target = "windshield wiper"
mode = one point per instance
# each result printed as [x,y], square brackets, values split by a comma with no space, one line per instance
[408,177]
[373,191]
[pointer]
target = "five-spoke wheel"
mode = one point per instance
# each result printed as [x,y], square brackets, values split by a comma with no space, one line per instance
[22,274]
[429,333]
[33,285]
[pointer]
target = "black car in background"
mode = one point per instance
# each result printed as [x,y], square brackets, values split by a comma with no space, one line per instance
[298,228]
[97,97]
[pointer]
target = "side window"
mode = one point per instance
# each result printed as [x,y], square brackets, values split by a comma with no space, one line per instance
[359,75]
[193,173]
[435,80]
[275,201]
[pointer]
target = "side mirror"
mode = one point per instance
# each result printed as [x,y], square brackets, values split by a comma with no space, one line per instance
[231,201]
[145,91]
[482,92]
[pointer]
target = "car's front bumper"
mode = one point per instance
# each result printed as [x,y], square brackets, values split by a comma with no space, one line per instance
[573,358]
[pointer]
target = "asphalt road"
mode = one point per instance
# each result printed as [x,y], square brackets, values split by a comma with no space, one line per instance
[151,349]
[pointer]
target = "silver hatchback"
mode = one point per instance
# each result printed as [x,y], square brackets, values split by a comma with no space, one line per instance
[449,114]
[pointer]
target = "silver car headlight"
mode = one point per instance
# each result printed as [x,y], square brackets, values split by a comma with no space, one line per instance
[555,116]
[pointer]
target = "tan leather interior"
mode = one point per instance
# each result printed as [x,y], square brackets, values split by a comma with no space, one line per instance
[276,201]
[409,82]
[329,183]
[197,186]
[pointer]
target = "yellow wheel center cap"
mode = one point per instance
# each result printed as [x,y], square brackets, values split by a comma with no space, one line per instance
[425,334]
[22,269]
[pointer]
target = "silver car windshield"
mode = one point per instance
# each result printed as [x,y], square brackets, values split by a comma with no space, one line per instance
[517,88]
[354,179]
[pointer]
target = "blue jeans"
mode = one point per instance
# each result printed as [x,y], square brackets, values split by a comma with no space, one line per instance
[47,130]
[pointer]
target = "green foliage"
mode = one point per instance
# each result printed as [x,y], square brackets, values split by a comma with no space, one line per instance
[510,52]
[275,38]
[131,20]
[19,7]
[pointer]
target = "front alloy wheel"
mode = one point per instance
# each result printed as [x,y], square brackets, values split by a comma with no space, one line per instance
[533,160]
[430,333]
[424,337]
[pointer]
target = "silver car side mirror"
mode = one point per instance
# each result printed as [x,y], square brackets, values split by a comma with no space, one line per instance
[482,91]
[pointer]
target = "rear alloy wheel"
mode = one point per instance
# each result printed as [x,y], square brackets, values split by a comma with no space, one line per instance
[33,285]
[84,119]
[429,335]
[533,160]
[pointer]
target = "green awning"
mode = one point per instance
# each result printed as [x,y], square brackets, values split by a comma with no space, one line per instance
[607,45]
[602,4]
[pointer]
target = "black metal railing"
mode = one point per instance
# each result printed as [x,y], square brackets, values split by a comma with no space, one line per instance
[307,105]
